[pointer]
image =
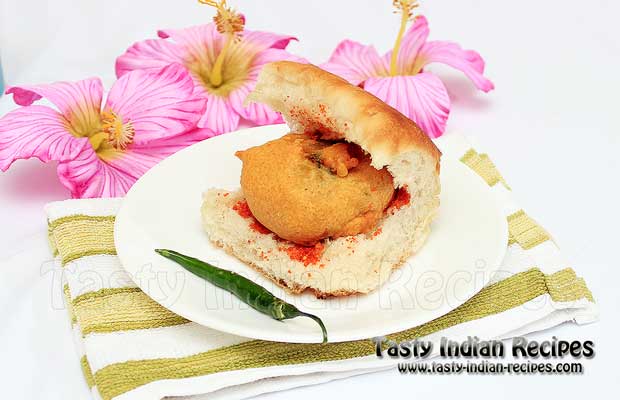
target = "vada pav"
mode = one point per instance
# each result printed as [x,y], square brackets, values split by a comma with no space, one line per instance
[338,203]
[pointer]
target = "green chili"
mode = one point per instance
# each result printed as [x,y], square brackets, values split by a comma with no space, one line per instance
[247,291]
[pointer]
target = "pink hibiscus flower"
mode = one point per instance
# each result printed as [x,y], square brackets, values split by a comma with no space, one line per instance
[148,115]
[224,61]
[399,78]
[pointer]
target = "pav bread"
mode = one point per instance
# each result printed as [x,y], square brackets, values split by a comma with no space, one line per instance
[337,204]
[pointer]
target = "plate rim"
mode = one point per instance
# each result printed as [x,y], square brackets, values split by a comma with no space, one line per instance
[310,337]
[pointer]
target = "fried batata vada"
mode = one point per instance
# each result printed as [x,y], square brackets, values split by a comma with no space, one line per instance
[305,190]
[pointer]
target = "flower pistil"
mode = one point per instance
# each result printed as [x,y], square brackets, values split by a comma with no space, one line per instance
[229,23]
[119,134]
[405,7]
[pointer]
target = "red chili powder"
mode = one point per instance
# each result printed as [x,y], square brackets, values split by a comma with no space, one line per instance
[258,227]
[306,255]
[243,209]
[401,199]
[319,121]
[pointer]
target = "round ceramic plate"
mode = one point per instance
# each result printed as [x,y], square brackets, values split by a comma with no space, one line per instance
[162,210]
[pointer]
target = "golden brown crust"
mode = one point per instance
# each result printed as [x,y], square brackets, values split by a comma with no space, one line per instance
[316,100]
[304,202]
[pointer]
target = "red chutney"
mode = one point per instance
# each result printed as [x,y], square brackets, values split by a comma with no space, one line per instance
[242,208]
[401,199]
[306,255]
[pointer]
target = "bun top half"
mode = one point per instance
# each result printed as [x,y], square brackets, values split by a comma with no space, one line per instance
[315,101]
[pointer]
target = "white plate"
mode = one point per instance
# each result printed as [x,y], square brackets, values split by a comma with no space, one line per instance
[162,210]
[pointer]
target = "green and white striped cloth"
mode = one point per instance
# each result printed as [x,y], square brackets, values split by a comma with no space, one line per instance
[132,348]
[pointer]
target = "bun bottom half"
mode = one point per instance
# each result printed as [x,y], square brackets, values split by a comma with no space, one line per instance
[346,266]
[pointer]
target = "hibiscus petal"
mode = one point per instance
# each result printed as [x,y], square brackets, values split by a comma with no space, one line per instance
[356,62]
[158,103]
[116,171]
[267,40]
[79,102]
[259,113]
[255,50]
[201,45]
[410,46]
[138,159]
[149,54]
[198,39]
[201,42]
[36,131]
[87,176]
[220,117]
[421,97]
[67,96]
[449,53]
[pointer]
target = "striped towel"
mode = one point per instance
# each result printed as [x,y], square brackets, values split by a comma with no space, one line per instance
[132,348]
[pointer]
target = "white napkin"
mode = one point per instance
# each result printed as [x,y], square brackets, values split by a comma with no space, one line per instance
[125,357]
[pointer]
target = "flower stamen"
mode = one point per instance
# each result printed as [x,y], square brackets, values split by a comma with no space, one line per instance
[405,7]
[119,134]
[229,23]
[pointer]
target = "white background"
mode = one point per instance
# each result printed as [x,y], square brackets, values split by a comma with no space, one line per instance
[550,125]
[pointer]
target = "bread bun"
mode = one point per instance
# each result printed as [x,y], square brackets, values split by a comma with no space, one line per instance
[315,101]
